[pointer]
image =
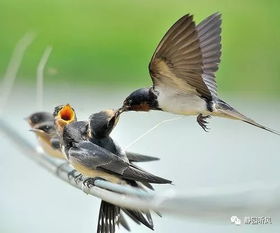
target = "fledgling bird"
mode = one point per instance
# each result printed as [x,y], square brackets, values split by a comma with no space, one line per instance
[101,125]
[42,124]
[48,134]
[183,69]
[90,150]
[63,115]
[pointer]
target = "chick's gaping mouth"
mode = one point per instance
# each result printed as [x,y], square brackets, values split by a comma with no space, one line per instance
[66,114]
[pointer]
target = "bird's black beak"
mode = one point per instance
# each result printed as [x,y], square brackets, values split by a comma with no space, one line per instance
[35,130]
[126,107]
[119,112]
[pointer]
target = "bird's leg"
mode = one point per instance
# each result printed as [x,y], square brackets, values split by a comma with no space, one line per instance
[89,182]
[78,178]
[201,120]
[72,174]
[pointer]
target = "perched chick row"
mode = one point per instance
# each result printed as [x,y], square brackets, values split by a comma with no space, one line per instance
[88,147]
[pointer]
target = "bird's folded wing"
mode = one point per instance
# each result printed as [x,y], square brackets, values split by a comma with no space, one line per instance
[95,157]
[136,157]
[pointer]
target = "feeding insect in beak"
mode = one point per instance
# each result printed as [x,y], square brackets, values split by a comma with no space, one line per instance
[120,111]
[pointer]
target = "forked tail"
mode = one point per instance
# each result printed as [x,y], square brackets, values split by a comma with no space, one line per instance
[110,217]
[225,110]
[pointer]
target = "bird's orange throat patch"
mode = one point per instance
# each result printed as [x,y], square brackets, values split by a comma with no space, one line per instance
[141,107]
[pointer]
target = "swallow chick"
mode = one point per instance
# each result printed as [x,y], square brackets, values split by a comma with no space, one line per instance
[42,124]
[63,115]
[85,146]
[183,69]
[101,125]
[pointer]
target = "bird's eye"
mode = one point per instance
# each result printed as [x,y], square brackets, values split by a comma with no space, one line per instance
[46,128]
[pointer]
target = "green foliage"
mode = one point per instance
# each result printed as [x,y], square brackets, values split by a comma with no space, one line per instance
[111,42]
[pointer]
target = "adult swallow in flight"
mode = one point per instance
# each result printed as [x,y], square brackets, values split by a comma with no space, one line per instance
[42,124]
[183,69]
[85,146]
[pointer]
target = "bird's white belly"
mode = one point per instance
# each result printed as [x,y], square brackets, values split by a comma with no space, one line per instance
[181,103]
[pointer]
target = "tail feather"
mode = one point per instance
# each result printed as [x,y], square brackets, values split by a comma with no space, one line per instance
[139,218]
[123,222]
[108,218]
[111,215]
[225,110]
[137,215]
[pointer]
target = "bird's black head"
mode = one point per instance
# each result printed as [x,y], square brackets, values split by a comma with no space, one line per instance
[65,113]
[102,123]
[74,132]
[39,118]
[143,99]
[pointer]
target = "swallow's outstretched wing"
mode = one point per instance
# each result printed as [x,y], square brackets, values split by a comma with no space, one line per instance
[95,157]
[209,35]
[187,56]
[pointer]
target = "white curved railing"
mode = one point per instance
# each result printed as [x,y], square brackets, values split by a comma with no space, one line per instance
[203,204]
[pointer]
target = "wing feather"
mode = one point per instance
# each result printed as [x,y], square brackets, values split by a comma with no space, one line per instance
[95,157]
[209,31]
[188,55]
[172,64]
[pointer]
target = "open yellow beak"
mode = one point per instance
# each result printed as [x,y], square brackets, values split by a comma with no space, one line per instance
[65,116]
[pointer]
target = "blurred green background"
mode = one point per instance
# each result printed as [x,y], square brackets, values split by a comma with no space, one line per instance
[105,47]
[111,42]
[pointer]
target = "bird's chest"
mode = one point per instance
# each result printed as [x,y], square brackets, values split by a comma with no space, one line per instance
[49,150]
[173,101]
